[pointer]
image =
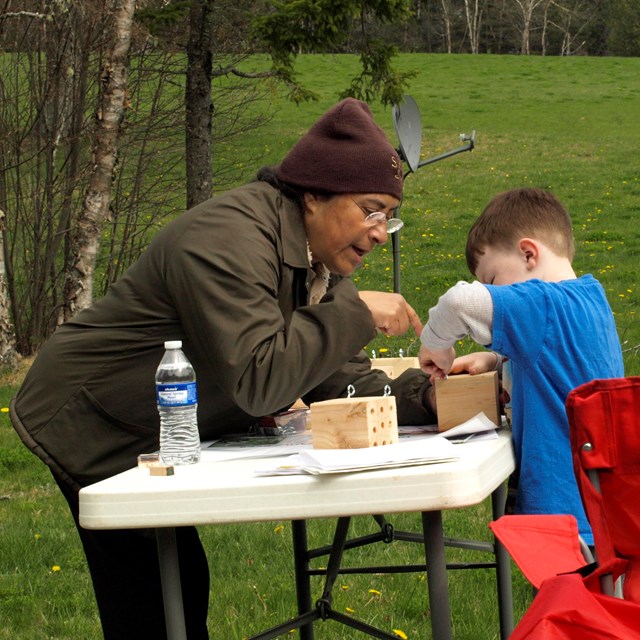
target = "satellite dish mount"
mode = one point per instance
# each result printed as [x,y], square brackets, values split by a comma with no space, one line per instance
[408,126]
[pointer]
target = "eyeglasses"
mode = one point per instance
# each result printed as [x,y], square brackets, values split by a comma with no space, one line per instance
[372,218]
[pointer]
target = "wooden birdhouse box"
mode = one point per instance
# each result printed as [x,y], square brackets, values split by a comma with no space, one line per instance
[353,423]
[460,397]
[393,367]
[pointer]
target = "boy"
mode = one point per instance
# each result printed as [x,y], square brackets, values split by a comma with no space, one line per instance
[556,330]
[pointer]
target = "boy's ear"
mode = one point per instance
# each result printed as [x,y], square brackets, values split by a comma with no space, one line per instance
[530,252]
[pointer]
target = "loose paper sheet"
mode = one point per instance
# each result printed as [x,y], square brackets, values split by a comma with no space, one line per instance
[238,447]
[416,450]
[252,446]
[477,428]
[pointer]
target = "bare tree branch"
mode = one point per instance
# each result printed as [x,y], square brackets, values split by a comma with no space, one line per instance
[24,14]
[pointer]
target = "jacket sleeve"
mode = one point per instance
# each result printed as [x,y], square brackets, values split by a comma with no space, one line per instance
[412,389]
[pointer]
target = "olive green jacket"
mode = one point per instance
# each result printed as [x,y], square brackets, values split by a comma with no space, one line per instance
[229,278]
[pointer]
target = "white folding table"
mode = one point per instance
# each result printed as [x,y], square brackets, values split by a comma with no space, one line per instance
[230,492]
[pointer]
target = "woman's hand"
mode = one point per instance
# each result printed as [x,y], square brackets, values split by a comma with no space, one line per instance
[392,314]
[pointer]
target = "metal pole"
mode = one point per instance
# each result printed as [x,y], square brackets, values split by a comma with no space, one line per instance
[301,566]
[437,575]
[395,240]
[503,568]
[170,581]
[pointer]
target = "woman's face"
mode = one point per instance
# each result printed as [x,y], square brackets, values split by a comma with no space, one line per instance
[337,232]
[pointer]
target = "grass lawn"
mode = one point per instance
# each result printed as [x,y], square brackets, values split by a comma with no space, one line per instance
[565,124]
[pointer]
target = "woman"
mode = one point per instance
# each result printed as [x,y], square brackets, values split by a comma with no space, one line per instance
[255,284]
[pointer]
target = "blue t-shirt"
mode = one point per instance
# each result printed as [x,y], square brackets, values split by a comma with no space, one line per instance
[557,336]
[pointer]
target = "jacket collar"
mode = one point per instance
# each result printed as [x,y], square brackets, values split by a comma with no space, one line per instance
[293,234]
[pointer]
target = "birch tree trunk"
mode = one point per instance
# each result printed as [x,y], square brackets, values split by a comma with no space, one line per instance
[78,292]
[473,12]
[446,18]
[527,7]
[7,336]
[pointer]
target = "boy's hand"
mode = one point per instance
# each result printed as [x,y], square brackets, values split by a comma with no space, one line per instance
[473,363]
[481,362]
[436,364]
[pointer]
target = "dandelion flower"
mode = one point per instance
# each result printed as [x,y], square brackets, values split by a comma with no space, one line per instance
[55,568]
[349,610]
[5,409]
[400,633]
[279,529]
[374,592]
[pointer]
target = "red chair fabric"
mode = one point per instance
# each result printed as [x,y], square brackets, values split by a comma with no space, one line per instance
[541,546]
[565,609]
[604,419]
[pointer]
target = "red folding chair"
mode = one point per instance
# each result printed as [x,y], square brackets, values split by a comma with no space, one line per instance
[604,421]
[575,598]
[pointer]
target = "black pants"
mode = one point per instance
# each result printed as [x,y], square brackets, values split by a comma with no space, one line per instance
[126,579]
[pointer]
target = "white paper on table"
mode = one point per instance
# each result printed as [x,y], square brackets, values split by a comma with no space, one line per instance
[429,449]
[255,447]
[475,426]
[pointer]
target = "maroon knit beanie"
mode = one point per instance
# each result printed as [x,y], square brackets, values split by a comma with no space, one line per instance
[345,151]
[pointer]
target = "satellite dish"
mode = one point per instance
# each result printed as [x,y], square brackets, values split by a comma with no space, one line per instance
[406,119]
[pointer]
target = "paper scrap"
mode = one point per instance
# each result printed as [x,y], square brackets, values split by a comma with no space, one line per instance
[476,425]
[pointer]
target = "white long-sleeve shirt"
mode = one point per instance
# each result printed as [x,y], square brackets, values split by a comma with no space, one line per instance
[464,310]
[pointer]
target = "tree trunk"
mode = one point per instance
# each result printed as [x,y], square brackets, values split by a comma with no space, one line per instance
[474,19]
[446,17]
[199,105]
[528,8]
[79,281]
[7,336]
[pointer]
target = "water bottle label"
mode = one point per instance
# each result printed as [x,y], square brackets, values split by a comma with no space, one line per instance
[177,395]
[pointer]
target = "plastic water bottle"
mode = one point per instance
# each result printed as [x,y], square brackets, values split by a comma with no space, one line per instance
[177,405]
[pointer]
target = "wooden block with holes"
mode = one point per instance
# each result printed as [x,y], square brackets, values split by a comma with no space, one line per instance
[462,396]
[393,367]
[354,423]
[390,371]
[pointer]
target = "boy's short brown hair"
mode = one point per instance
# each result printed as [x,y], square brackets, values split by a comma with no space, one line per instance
[516,214]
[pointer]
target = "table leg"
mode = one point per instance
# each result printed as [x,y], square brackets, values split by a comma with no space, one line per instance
[171,587]
[437,575]
[301,567]
[503,568]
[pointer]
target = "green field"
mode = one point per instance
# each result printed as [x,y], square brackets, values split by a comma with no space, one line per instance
[564,124]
